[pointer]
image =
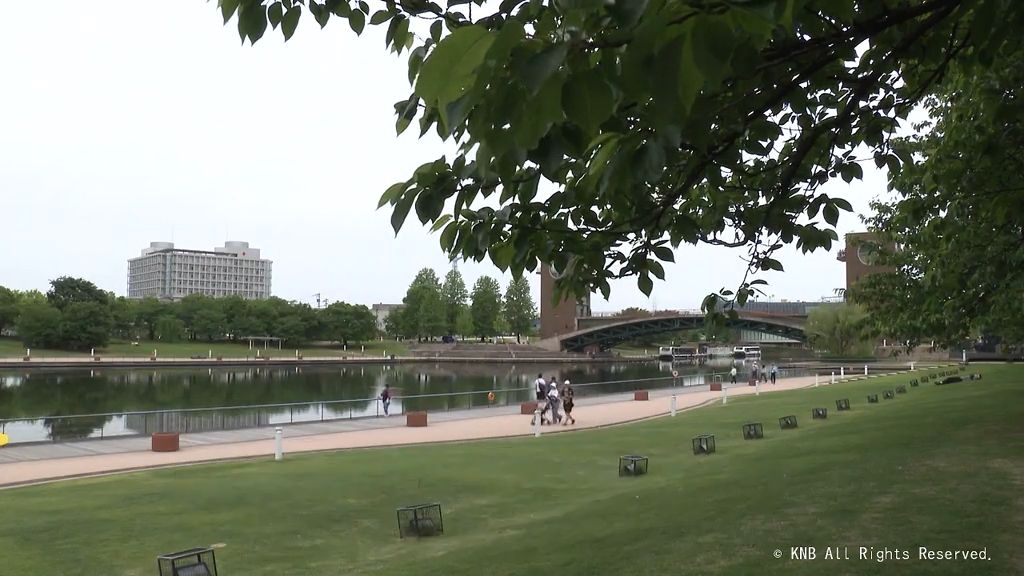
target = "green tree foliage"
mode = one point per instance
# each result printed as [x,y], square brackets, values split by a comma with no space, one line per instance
[656,123]
[396,325]
[454,295]
[169,328]
[958,216]
[345,323]
[464,322]
[519,309]
[39,325]
[85,325]
[423,315]
[147,312]
[486,306]
[633,312]
[8,308]
[841,329]
[66,290]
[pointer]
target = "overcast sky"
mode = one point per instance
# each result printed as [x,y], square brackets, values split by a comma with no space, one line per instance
[126,122]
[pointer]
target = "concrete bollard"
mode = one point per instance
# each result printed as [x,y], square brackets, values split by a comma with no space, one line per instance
[964,356]
[912,366]
[278,449]
[757,388]
[815,379]
[673,405]
[865,369]
[842,371]
[536,423]
[725,394]
[833,377]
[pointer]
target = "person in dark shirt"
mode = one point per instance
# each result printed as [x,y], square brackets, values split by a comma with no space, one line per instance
[568,402]
[385,398]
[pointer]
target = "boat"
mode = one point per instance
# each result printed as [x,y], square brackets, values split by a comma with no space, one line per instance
[669,353]
[746,352]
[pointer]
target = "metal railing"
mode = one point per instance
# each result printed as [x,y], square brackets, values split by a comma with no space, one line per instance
[58,428]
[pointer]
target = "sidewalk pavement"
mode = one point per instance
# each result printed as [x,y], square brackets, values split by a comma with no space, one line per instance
[38,463]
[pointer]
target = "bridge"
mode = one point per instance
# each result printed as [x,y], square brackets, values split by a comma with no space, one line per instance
[603,332]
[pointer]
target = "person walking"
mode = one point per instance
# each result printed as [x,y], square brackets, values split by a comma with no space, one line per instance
[567,402]
[732,374]
[385,398]
[754,372]
[775,370]
[541,389]
[554,401]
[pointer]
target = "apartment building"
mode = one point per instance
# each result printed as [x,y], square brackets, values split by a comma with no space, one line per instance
[163,271]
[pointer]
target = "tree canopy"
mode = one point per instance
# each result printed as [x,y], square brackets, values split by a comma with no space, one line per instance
[486,306]
[519,308]
[655,122]
[454,295]
[958,216]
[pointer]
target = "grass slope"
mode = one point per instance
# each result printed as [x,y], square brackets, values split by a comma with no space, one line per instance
[939,467]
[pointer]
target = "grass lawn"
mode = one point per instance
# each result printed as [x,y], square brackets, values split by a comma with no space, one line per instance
[941,467]
[10,347]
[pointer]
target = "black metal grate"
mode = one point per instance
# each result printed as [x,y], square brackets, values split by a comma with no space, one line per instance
[901,389]
[704,444]
[632,465]
[872,398]
[888,394]
[842,405]
[191,562]
[420,520]
[787,422]
[753,431]
[819,413]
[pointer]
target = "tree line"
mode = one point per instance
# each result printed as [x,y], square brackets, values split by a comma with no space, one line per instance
[77,315]
[432,308]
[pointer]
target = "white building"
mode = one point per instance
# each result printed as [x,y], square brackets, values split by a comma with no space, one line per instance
[382,311]
[163,271]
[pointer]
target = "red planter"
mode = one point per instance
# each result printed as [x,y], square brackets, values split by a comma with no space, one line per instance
[416,419]
[528,407]
[165,442]
[716,386]
[641,395]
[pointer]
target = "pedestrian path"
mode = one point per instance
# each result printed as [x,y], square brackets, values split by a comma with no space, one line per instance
[46,462]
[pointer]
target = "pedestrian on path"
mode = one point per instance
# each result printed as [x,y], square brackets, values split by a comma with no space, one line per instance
[554,401]
[775,370]
[732,374]
[764,374]
[541,387]
[385,398]
[567,402]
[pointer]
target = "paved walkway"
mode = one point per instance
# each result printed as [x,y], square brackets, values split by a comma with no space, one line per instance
[47,462]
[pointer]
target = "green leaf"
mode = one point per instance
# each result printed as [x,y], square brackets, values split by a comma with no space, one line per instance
[771,264]
[320,14]
[448,236]
[274,13]
[441,222]
[656,268]
[851,171]
[254,18]
[664,253]
[290,21]
[451,68]
[712,47]
[842,204]
[401,211]
[357,20]
[392,193]
[435,31]
[587,100]
[227,9]
[831,214]
[381,16]
[539,67]
[645,283]
[539,114]
[628,12]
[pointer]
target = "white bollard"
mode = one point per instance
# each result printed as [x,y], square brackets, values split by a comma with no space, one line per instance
[385,353]
[865,369]
[536,423]
[154,352]
[673,405]
[815,379]
[28,352]
[912,366]
[833,377]
[725,394]
[842,371]
[362,348]
[92,352]
[278,451]
[964,356]
[757,388]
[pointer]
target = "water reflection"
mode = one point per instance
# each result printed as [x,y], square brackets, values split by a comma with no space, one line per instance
[51,397]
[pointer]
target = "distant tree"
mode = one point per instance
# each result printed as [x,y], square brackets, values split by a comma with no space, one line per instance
[67,290]
[343,322]
[396,324]
[486,306]
[424,310]
[147,312]
[633,312]
[123,317]
[838,328]
[169,328]
[209,323]
[298,324]
[8,308]
[85,325]
[464,322]
[38,325]
[519,309]
[454,295]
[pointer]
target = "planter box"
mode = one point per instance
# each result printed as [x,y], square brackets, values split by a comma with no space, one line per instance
[716,386]
[641,396]
[27,359]
[165,442]
[416,419]
[95,358]
[528,407]
[152,358]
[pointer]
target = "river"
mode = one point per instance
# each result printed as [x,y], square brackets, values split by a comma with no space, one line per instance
[68,404]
